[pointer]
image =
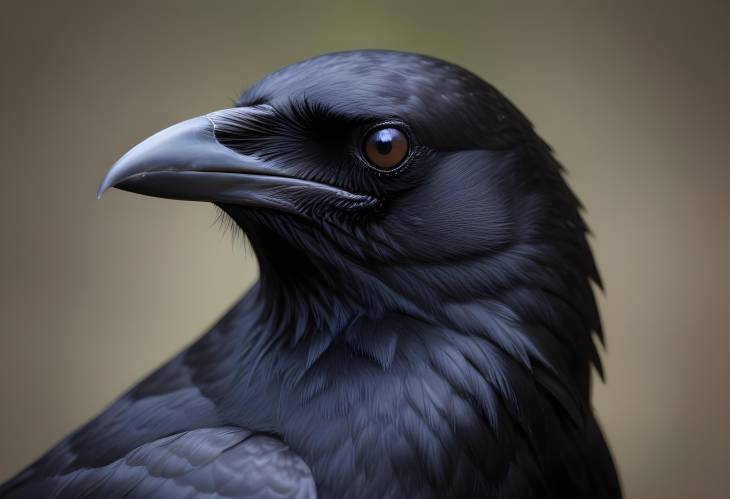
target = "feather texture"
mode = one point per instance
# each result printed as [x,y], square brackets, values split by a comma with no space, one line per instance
[436,342]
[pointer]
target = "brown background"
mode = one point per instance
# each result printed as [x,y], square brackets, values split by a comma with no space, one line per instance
[633,96]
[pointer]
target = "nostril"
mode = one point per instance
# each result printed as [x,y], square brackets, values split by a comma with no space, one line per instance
[245,129]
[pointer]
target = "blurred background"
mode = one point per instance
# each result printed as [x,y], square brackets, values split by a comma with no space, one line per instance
[633,96]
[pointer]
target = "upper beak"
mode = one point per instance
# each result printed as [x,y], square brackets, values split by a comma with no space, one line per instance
[186,161]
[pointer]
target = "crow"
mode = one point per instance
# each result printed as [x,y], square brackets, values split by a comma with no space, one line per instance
[424,325]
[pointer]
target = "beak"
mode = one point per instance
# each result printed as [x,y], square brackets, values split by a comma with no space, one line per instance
[186,161]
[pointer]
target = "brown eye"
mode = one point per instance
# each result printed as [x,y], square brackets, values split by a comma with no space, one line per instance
[386,148]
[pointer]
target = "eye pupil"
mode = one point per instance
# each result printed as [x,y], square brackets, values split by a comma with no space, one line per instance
[386,148]
[384,141]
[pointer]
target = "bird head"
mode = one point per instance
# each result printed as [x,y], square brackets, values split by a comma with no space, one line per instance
[377,179]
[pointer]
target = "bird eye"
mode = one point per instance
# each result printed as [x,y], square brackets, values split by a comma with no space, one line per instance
[386,148]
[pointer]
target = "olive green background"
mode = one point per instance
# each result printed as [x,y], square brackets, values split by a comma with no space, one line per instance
[632,95]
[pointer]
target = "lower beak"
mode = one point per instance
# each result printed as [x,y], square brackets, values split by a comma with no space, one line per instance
[186,161]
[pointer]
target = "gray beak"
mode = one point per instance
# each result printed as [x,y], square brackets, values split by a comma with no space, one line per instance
[186,161]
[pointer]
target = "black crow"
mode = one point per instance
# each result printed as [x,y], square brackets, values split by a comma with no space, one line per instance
[423,325]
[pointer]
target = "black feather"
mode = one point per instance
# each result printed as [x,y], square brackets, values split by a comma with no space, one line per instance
[434,343]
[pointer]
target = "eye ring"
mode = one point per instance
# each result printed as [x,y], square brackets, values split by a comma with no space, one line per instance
[387,146]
